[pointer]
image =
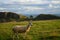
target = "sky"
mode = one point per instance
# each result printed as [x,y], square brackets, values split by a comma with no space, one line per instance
[30,6]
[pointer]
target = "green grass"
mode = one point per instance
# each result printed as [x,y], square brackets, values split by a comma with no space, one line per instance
[48,29]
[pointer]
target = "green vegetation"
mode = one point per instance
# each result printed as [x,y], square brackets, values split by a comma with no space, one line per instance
[11,16]
[46,17]
[8,16]
[23,18]
[48,30]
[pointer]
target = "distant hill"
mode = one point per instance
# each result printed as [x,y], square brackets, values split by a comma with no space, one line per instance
[46,17]
[34,15]
[10,16]
[28,15]
[57,14]
[23,17]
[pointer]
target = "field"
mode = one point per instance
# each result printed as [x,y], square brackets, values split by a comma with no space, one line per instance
[41,30]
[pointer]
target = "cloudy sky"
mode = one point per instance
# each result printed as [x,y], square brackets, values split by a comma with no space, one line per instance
[31,6]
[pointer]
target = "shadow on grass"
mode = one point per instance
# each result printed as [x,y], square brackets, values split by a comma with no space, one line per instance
[20,38]
[41,38]
[11,38]
[50,38]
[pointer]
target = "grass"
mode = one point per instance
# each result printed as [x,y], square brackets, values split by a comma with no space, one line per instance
[41,30]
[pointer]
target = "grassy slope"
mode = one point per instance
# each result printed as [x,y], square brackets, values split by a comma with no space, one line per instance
[39,29]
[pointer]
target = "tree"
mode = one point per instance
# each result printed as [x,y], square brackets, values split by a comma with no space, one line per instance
[31,17]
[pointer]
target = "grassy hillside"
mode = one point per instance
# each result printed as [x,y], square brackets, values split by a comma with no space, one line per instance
[48,30]
[11,16]
[46,17]
[22,17]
